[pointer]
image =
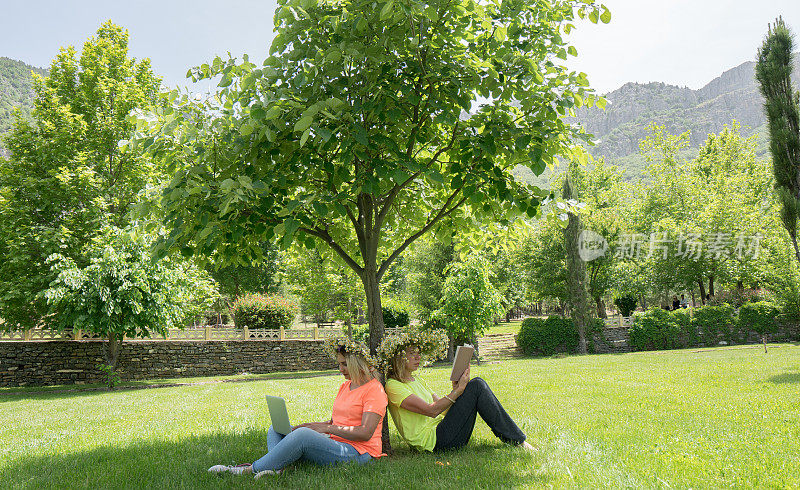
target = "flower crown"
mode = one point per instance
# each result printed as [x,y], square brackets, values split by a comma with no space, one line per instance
[432,345]
[332,345]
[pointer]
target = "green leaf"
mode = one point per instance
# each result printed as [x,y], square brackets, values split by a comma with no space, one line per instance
[360,134]
[593,16]
[304,138]
[601,102]
[303,123]
[436,177]
[325,134]
[320,208]
[605,17]
[227,185]
[257,112]
[246,129]
[386,11]
[399,175]
[273,112]
[572,51]
[500,33]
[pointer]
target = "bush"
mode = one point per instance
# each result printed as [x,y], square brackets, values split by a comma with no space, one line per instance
[625,304]
[655,329]
[759,317]
[259,311]
[687,332]
[395,314]
[713,322]
[361,333]
[548,336]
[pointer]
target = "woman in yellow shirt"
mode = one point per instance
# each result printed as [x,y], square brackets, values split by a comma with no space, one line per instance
[430,423]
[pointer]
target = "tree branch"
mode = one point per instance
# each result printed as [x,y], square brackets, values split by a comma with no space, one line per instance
[443,212]
[390,197]
[326,237]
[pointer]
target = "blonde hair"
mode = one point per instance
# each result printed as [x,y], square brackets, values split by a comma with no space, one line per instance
[398,368]
[361,371]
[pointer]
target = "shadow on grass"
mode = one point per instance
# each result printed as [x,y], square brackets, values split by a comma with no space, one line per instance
[785,378]
[67,391]
[183,464]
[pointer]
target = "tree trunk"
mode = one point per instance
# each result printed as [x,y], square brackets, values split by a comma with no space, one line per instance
[702,291]
[711,284]
[601,308]
[796,249]
[113,346]
[374,312]
[370,280]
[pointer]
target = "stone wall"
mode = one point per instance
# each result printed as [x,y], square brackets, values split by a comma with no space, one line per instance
[616,340]
[75,362]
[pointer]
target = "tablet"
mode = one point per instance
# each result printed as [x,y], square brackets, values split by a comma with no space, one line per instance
[278,414]
[460,363]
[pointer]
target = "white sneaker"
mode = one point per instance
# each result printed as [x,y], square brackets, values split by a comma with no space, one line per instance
[239,469]
[266,472]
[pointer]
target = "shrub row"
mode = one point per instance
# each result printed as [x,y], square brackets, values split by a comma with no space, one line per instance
[552,335]
[657,329]
[259,311]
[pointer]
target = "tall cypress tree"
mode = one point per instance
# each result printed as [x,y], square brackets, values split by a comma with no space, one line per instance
[773,72]
[576,267]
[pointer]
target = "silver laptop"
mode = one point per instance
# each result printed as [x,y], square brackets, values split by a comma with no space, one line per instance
[278,414]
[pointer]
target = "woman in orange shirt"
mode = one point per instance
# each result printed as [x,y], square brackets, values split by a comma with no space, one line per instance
[353,433]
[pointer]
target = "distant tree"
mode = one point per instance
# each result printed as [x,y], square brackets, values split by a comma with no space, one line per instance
[363,132]
[67,176]
[773,72]
[543,261]
[604,196]
[261,277]
[327,289]
[699,219]
[470,302]
[425,265]
[123,293]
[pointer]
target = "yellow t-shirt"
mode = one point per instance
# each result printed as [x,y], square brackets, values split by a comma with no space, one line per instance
[418,430]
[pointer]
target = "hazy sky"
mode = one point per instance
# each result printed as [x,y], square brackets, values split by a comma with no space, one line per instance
[680,42]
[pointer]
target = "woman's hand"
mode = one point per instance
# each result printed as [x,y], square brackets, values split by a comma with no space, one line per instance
[460,385]
[321,427]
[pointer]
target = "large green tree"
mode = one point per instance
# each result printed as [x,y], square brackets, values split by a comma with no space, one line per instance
[781,102]
[123,293]
[67,176]
[699,220]
[363,129]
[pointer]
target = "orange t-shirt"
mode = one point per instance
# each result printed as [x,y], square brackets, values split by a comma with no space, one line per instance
[349,407]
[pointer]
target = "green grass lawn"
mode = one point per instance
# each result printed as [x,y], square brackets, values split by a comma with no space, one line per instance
[503,327]
[692,418]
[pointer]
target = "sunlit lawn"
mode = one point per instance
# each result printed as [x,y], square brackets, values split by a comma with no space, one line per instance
[709,418]
[503,327]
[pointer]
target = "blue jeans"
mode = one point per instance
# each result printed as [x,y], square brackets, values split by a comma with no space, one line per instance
[307,444]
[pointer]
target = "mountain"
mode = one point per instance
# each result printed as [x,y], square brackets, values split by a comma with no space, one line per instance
[16,90]
[734,95]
